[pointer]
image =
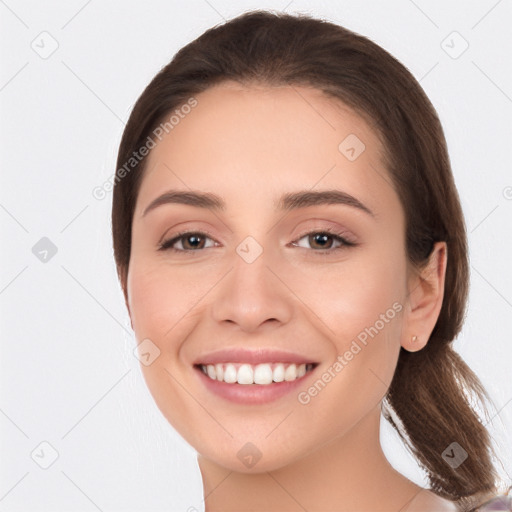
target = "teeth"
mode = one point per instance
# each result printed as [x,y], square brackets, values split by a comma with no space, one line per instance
[265,373]
[219,370]
[290,373]
[245,374]
[229,374]
[278,374]
[211,371]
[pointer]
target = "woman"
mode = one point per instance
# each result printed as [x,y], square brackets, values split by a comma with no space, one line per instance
[293,256]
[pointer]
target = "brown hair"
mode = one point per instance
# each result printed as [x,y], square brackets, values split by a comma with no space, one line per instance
[428,402]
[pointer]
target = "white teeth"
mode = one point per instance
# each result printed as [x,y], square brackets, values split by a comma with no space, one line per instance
[278,375]
[290,373]
[219,371]
[211,371]
[264,373]
[245,374]
[230,374]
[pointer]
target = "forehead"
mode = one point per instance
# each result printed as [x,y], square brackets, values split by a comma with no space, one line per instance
[251,143]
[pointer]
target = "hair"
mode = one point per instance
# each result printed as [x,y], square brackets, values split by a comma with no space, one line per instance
[429,399]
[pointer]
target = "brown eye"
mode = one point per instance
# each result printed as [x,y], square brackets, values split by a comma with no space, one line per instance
[318,240]
[189,241]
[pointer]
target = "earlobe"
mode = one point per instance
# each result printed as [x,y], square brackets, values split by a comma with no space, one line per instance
[425,299]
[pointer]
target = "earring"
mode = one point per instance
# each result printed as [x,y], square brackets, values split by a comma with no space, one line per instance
[414,338]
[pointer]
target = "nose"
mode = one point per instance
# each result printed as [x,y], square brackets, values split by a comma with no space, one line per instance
[253,294]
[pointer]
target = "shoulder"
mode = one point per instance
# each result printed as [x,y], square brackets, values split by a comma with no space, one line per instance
[428,501]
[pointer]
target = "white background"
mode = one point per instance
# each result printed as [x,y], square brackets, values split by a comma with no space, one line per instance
[68,374]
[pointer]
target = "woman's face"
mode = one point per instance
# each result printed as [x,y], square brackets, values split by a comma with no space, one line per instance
[254,287]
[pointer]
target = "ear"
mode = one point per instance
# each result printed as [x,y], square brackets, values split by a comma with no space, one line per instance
[424,300]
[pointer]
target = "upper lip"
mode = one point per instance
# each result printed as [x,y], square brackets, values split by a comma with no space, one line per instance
[243,355]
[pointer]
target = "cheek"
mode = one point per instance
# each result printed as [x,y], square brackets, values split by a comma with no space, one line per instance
[148,299]
[350,296]
[159,299]
[162,308]
[360,305]
[167,303]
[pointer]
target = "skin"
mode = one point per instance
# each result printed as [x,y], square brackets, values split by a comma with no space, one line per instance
[250,145]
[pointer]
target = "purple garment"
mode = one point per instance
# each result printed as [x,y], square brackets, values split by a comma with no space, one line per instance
[501,503]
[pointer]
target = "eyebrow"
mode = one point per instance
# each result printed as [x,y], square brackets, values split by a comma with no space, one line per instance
[287,202]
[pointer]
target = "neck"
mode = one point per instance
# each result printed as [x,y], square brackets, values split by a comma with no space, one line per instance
[348,473]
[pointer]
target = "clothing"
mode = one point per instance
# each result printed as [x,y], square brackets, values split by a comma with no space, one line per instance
[501,503]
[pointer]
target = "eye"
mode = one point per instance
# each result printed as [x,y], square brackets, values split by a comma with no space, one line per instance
[188,238]
[320,239]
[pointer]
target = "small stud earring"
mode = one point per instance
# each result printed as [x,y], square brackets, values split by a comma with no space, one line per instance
[414,338]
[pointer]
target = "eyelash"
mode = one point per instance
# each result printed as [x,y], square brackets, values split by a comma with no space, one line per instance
[166,244]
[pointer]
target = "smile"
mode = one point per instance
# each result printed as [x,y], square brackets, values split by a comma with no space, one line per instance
[264,373]
[253,377]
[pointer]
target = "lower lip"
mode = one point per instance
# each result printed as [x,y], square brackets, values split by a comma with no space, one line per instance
[251,393]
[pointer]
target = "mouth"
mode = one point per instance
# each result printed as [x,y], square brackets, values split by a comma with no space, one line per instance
[253,377]
[263,374]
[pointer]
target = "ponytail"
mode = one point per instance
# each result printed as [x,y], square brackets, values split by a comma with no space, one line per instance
[430,393]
